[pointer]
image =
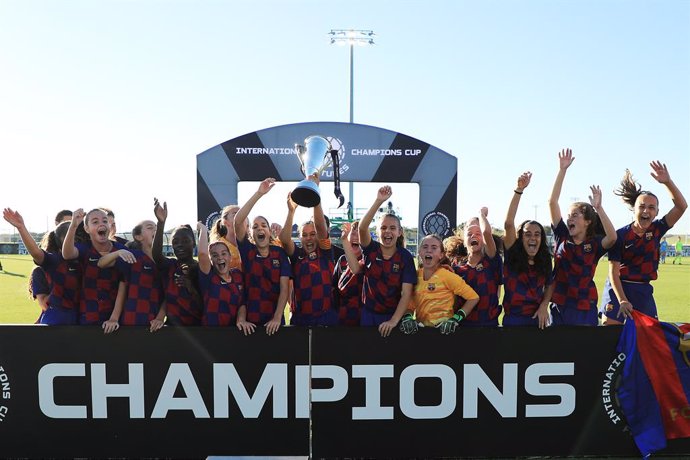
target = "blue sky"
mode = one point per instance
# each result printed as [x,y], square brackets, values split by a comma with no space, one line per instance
[107,103]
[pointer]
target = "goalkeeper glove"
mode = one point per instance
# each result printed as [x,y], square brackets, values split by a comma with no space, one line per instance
[449,325]
[408,324]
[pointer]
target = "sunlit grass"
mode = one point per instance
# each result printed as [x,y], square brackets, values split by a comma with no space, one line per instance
[671,290]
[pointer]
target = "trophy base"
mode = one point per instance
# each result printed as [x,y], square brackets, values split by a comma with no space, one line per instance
[306,194]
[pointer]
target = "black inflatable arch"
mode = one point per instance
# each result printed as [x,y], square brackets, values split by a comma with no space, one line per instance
[369,154]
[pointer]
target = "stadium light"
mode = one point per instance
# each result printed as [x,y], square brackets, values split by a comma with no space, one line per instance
[352,38]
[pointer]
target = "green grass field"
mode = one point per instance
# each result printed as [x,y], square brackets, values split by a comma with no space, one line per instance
[672,290]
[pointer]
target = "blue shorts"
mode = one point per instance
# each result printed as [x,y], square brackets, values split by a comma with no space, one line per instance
[519,320]
[327,318]
[563,316]
[369,318]
[640,295]
[59,317]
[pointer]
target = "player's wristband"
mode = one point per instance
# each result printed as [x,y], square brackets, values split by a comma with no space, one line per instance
[515,191]
[459,316]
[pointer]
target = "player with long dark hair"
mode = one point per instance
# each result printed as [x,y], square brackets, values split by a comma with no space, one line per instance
[348,283]
[581,241]
[526,267]
[634,260]
[183,302]
[481,269]
[266,269]
[61,306]
[102,288]
[389,270]
[312,268]
[144,305]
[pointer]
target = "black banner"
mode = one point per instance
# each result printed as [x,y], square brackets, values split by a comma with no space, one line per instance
[195,392]
[179,393]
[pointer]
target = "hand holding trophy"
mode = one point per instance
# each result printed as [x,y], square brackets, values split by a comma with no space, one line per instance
[315,156]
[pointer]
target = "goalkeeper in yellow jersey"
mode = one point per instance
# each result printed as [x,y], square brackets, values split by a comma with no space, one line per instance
[434,294]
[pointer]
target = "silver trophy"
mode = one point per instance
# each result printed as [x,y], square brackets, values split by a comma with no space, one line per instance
[315,156]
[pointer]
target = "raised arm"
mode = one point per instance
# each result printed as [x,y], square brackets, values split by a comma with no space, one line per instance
[510,235]
[202,250]
[660,174]
[17,221]
[487,232]
[285,235]
[565,159]
[383,194]
[595,200]
[264,187]
[161,213]
[352,260]
[69,250]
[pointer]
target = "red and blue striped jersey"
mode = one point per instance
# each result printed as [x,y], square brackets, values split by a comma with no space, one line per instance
[574,268]
[262,280]
[64,277]
[182,308]
[222,299]
[383,278]
[98,287]
[348,292]
[144,290]
[523,292]
[484,278]
[639,254]
[312,293]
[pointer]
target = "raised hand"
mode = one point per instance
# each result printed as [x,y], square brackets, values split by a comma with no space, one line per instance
[384,193]
[524,180]
[13,217]
[276,229]
[161,212]
[595,197]
[660,172]
[291,204]
[565,158]
[484,211]
[346,228]
[78,217]
[266,185]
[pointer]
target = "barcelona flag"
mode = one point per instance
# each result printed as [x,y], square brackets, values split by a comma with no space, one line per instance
[655,389]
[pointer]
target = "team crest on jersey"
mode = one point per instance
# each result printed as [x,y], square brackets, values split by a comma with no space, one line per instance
[609,307]
[479,267]
[431,287]
[313,255]
[396,268]
[587,247]
[276,263]
[649,235]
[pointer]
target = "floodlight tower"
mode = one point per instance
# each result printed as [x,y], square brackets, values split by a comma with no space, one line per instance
[352,37]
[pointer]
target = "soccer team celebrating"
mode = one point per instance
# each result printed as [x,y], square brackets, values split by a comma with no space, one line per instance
[248,271]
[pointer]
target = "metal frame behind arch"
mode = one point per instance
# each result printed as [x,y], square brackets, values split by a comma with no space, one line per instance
[370,154]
